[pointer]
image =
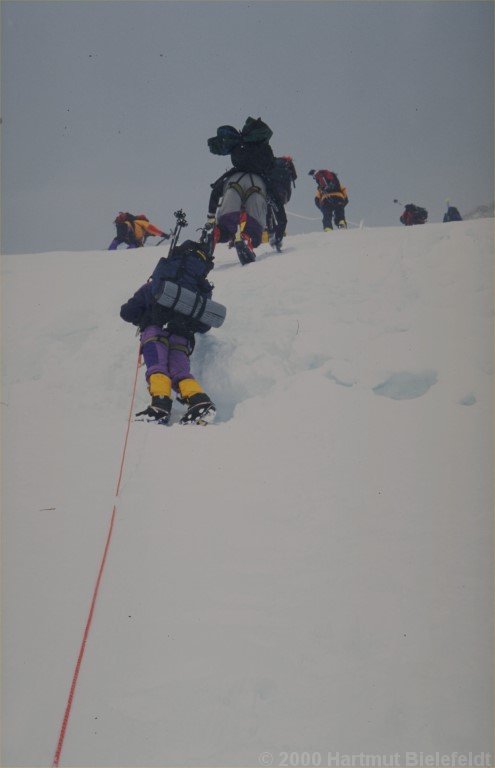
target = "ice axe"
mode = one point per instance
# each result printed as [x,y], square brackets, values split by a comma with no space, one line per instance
[165,237]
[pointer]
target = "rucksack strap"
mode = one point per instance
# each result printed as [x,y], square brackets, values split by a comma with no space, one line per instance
[245,194]
[181,348]
[176,300]
[199,305]
[159,337]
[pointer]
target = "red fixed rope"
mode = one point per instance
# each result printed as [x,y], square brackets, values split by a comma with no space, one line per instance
[75,676]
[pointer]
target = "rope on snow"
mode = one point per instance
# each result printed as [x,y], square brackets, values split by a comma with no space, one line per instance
[317,218]
[75,676]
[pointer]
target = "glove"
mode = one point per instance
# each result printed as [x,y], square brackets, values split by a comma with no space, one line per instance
[210,222]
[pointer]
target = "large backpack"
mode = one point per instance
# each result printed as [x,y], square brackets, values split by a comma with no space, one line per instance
[224,142]
[257,158]
[249,149]
[281,178]
[420,215]
[327,181]
[255,131]
[187,265]
[413,214]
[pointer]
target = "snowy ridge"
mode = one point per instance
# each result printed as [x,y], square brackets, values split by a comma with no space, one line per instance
[309,573]
[481,212]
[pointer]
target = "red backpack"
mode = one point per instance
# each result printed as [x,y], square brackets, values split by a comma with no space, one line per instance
[327,181]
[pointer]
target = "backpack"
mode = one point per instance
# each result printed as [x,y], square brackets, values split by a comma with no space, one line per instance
[327,181]
[413,214]
[224,142]
[253,157]
[187,266]
[249,149]
[124,233]
[452,214]
[420,214]
[281,177]
[256,131]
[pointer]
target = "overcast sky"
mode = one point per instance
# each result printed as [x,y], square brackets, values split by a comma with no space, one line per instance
[107,106]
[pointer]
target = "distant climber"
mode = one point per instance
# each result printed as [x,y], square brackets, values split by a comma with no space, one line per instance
[452,214]
[238,202]
[133,231]
[331,198]
[413,214]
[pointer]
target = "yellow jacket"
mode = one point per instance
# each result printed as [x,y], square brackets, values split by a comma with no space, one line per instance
[337,196]
[142,227]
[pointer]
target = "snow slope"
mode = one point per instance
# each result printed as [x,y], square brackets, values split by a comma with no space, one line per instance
[310,573]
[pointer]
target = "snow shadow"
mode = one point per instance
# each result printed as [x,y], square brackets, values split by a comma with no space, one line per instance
[405,385]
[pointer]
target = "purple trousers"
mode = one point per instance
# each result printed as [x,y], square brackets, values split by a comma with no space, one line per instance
[116,242]
[228,223]
[166,353]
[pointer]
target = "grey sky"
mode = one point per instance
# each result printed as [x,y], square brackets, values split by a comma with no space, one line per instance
[107,106]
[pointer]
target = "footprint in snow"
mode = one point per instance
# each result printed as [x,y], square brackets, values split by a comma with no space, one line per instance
[405,385]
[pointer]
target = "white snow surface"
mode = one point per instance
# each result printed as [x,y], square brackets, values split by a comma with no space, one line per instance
[312,572]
